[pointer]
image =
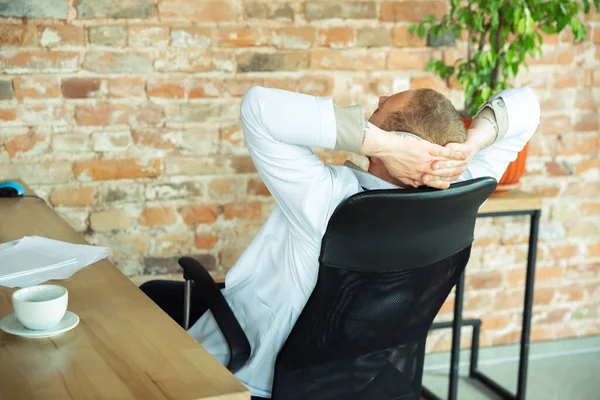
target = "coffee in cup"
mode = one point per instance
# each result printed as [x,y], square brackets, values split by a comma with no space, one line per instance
[40,307]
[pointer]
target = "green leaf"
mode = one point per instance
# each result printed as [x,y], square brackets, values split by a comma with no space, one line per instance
[422,31]
[521,26]
[412,29]
[586,6]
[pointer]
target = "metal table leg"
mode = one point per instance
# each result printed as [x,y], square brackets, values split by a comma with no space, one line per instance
[458,322]
[456,325]
[528,304]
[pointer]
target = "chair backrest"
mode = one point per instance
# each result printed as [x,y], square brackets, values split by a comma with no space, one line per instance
[389,259]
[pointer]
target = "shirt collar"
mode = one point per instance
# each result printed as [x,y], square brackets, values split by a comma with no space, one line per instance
[368,180]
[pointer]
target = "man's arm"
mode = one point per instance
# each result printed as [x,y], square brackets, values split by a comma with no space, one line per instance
[279,127]
[499,132]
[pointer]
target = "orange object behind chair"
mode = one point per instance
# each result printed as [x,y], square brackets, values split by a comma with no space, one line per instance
[515,170]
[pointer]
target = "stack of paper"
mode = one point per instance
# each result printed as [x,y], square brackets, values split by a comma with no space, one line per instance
[33,260]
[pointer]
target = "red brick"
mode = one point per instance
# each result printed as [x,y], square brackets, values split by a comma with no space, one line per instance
[242,210]
[8,114]
[237,86]
[73,196]
[570,293]
[590,208]
[243,37]
[232,135]
[257,187]
[190,61]
[242,164]
[266,62]
[403,38]
[294,37]
[205,241]
[158,216]
[374,37]
[487,280]
[191,38]
[50,114]
[495,322]
[39,60]
[550,38]
[102,170]
[556,169]
[596,38]
[22,144]
[36,87]
[516,278]
[154,138]
[510,300]
[340,9]
[543,296]
[80,88]
[222,186]
[118,62]
[577,144]
[87,114]
[204,88]
[593,250]
[61,35]
[153,36]
[555,124]
[348,60]
[553,56]
[412,11]
[18,35]
[431,82]
[166,88]
[337,38]
[215,11]
[126,87]
[566,79]
[147,114]
[110,220]
[587,165]
[587,121]
[409,59]
[321,86]
[197,214]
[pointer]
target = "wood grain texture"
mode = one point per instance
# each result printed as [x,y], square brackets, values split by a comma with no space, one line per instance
[125,347]
[514,200]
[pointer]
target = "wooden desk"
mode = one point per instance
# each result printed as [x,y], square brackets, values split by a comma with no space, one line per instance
[511,201]
[124,347]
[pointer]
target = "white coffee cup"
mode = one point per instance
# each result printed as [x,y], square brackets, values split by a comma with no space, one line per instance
[40,307]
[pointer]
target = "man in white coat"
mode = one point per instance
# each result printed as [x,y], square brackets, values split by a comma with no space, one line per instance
[271,282]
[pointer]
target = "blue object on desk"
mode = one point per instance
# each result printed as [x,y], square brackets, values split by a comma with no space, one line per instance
[11,189]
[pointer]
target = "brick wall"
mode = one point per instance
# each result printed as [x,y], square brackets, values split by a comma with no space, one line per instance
[124,116]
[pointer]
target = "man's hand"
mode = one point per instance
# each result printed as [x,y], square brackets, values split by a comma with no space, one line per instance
[415,161]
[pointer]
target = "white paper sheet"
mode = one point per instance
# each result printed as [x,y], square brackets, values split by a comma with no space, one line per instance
[33,260]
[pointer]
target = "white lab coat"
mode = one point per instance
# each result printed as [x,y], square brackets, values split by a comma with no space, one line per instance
[271,282]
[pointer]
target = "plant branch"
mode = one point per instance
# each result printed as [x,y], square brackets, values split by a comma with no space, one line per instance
[497,47]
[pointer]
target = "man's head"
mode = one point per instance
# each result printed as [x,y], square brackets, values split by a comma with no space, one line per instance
[422,112]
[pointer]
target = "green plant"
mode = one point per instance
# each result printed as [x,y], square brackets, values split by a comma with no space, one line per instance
[500,36]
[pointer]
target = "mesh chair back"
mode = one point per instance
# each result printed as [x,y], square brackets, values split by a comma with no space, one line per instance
[388,261]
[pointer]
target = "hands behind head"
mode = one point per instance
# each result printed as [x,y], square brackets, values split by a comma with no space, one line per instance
[415,162]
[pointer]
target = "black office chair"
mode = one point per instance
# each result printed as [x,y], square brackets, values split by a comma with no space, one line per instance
[389,259]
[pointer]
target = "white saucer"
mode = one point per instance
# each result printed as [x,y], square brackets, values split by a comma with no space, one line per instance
[10,324]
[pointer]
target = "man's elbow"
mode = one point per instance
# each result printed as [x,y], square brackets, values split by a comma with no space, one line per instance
[251,104]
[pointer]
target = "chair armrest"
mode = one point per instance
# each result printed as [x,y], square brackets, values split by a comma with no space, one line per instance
[239,347]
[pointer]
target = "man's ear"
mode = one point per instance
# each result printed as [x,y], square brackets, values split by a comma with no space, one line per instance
[376,160]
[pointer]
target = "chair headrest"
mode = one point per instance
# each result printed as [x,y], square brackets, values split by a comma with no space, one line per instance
[384,230]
